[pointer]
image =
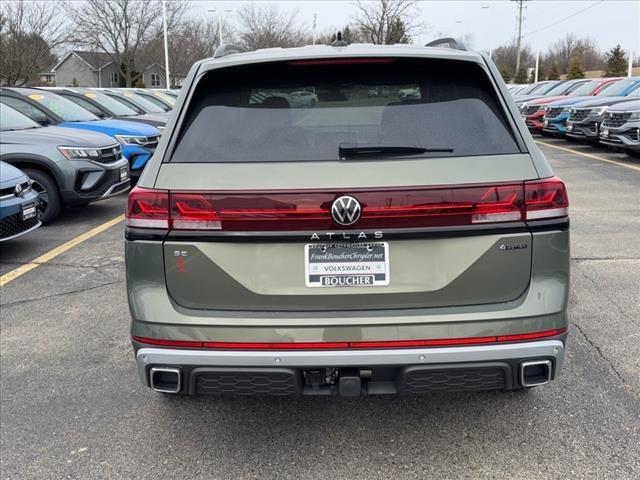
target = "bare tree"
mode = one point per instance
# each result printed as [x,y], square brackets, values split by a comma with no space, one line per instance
[386,21]
[122,29]
[28,33]
[265,25]
[563,51]
[504,57]
[189,41]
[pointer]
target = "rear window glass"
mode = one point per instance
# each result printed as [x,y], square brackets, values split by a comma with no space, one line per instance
[307,110]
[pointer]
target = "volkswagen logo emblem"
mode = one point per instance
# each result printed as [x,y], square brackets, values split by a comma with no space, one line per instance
[346,210]
[18,190]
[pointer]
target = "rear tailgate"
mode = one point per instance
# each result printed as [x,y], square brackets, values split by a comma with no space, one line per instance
[253,173]
[253,270]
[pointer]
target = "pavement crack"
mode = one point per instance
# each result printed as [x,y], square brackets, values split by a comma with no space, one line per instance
[62,294]
[599,291]
[600,354]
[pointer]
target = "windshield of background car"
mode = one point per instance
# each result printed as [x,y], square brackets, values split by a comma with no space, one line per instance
[552,89]
[617,88]
[11,119]
[166,98]
[66,109]
[635,92]
[531,89]
[560,89]
[306,110]
[150,107]
[585,88]
[111,104]
[156,101]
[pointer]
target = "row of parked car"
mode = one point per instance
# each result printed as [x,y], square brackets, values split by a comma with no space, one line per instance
[602,111]
[69,146]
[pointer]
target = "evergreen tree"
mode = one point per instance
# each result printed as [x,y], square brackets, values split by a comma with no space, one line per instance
[575,68]
[553,73]
[521,76]
[616,63]
[506,74]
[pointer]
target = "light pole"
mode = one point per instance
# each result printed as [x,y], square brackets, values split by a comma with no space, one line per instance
[166,44]
[519,40]
[220,13]
[487,6]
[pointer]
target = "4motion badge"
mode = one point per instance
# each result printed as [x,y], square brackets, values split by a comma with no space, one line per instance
[520,246]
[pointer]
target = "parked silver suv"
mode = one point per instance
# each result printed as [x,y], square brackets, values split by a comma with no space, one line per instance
[621,127]
[360,245]
[67,166]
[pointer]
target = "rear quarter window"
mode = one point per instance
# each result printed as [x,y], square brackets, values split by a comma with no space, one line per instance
[305,110]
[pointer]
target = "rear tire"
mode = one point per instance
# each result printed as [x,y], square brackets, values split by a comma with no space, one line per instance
[50,202]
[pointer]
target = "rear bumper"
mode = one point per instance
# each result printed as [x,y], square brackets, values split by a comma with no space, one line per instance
[401,370]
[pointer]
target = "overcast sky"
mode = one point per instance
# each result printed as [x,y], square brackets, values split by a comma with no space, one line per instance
[490,23]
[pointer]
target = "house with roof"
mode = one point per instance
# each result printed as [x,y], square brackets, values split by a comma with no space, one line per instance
[97,69]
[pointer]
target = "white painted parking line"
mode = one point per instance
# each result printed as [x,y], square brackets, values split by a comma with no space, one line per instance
[589,155]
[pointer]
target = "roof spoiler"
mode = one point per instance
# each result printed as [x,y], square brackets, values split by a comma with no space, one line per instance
[447,42]
[227,49]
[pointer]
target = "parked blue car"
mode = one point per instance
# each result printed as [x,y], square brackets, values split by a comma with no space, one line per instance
[18,203]
[555,121]
[138,140]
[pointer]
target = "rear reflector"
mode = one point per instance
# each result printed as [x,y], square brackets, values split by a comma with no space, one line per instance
[310,210]
[443,342]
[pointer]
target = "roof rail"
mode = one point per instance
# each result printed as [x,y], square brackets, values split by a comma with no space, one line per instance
[227,49]
[447,42]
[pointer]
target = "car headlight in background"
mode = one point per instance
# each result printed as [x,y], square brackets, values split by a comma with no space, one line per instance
[598,110]
[566,110]
[161,129]
[132,139]
[521,106]
[79,153]
[635,115]
[543,109]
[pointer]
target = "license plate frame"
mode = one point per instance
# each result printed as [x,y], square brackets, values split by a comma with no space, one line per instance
[28,211]
[339,265]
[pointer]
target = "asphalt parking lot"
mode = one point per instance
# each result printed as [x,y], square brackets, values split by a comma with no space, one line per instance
[72,406]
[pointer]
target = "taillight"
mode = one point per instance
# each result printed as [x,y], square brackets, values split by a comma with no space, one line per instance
[193,211]
[311,210]
[546,199]
[148,208]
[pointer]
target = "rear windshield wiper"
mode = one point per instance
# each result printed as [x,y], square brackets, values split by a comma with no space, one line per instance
[349,151]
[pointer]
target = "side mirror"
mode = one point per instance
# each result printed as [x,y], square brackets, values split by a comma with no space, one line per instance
[40,118]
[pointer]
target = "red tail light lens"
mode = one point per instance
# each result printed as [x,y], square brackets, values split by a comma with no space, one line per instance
[443,342]
[148,208]
[546,199]
[311,210]
[193,211]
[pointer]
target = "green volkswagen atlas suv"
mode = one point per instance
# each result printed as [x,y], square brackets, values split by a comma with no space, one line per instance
[353,245]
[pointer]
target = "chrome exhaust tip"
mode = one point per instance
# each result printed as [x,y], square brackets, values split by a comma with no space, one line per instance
[535,373]
[165,379]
